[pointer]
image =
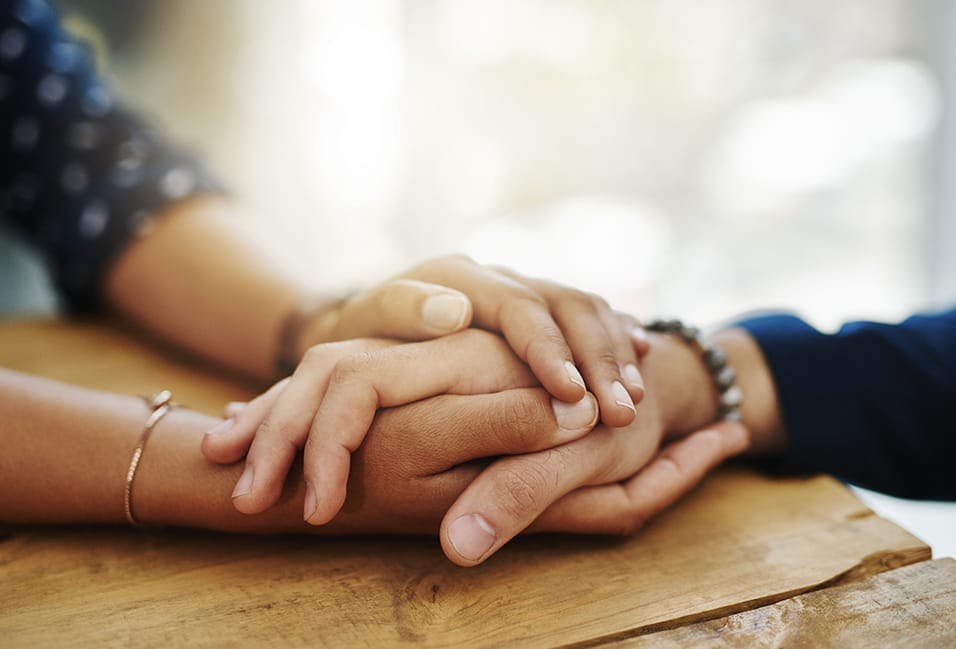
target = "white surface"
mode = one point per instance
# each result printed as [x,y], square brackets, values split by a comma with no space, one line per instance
[934,522]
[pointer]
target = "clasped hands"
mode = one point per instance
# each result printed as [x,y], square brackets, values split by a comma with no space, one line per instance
[521,406]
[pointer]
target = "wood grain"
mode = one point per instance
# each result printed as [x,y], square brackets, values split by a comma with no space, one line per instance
[739,542]
[108,357]
[912,607]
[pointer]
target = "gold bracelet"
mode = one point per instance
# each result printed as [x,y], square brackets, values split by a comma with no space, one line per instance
[159,405]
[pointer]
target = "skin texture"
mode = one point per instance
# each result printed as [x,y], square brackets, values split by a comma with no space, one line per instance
[417,460]
[199,281]
[613,480]
[329,403]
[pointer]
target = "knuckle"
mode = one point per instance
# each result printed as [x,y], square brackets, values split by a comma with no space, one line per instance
[603,360]
[385,298]
[546,341]
[599,302]
[524,488]
[268,429]
[501,270]
[325,353]
[353,366]
[273,441]
[460,258]
[579,299]
[315,355]
[477,338]
[521,418]
[520,300]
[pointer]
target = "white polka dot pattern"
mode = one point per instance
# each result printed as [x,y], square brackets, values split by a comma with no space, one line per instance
[79,174]
[74,178]
[12,43]
[52,90]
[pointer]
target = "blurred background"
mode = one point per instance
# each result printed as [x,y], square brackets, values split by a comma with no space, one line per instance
[697,158]
[700,159]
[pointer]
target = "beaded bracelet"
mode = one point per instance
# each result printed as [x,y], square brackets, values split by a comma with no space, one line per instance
[159,404]
[730,396]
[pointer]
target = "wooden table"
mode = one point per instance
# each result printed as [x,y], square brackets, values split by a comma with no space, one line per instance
[744,561]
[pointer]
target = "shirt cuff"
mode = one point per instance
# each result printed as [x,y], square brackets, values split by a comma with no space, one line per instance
[825,385]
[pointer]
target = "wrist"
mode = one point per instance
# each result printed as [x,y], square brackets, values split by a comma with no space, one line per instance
[176,486]
[311,322]
[760,411]
[677,374]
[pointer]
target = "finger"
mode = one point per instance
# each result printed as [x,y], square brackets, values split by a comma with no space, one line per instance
[233,408]
[451,430]
[282,431]
[229,440]
[624,350]
[513,491]
[599,344]
[636,331]
[406,309]
[521,315]
[361,384]
[622,508]
[593,349]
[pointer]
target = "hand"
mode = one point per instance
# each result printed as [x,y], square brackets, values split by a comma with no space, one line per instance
[623,508]
[599,483]
[553,328]
[330,401]
[587,485]
[417,459]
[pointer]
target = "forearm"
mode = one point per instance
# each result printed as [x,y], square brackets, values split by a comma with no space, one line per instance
[201,282]
[67,450]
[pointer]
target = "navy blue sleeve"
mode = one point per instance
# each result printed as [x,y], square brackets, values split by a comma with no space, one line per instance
[873,404]
[80,176]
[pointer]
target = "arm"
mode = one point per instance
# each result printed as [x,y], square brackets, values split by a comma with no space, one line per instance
[67,450]
[125,219]
[874,404]
[129,221]
[200,280]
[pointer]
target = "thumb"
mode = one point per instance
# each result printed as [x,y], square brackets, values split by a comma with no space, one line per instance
[405,309]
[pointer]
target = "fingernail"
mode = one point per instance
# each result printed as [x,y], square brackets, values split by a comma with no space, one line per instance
[632,375]
[244,484]
[445,312]
[233,408]
[639,334]
[573,373]
[222,427]
[575,416]
[311,502]
[471,536]
[621,397]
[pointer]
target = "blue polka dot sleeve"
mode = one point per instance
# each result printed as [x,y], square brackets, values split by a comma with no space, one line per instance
[79,175]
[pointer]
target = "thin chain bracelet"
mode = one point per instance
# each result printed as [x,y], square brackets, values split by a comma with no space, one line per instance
[730,396]
[159,404]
